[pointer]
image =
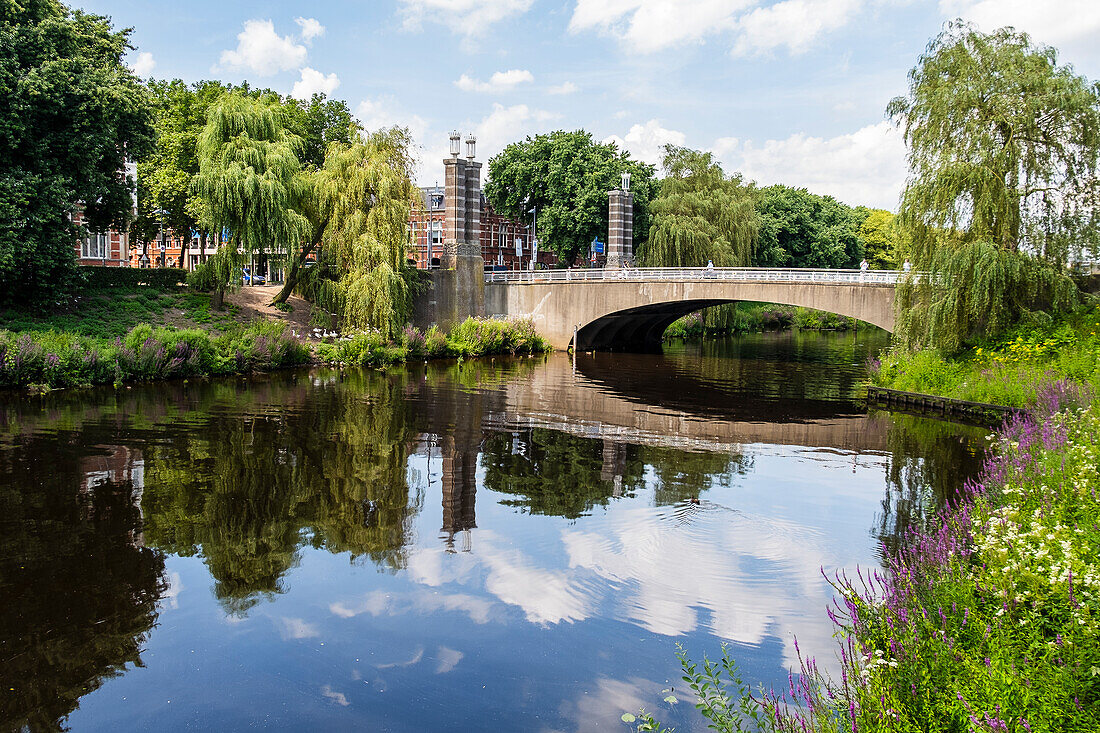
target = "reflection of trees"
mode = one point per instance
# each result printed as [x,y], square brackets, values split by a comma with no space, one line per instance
[329,468]
[550,472]
[79,591]
[554,473]
[682,476]
[929,460]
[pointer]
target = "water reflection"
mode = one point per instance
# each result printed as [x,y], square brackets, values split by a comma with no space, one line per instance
[428,531]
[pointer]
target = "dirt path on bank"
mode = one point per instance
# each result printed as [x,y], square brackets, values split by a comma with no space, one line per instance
[254,302]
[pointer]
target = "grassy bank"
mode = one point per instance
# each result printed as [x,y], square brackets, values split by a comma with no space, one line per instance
[42,359]
[1011,370]
[758,317]
[987,620]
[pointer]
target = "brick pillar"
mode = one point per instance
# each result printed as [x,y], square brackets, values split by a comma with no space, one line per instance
[454,196]
[620,230]
[472,239]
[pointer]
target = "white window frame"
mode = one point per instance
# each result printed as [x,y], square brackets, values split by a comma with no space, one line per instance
[96,246]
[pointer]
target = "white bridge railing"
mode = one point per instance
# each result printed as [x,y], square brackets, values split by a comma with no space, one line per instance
[673,274]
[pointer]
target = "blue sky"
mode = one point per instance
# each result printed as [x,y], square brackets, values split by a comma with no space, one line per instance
[786,92]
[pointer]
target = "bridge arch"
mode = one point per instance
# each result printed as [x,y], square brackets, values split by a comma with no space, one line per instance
[632,310]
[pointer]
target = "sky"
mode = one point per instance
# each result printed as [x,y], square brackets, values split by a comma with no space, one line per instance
[787,92]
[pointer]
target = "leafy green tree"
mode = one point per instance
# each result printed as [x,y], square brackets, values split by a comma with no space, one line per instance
[802,229]
[165,175]
[1003,147]
[72,116]
[318,123]
[880,237]
[566,177]
[250,180]
[700,214]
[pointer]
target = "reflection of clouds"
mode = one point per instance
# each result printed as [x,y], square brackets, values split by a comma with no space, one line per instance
[751,573]
[171,596]
[337,697]
[447,659]
[603,706]
[379,603]
[407,663]
[546,596]
[296,628]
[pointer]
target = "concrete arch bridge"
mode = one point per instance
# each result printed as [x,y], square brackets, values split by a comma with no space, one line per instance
[630,308]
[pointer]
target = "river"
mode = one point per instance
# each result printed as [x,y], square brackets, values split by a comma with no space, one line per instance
[498,544]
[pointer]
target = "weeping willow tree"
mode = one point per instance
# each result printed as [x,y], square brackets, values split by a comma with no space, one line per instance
[1003,146]
[362,199]
[701,215]
[250,182]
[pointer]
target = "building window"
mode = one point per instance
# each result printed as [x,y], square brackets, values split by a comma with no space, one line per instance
[503,238]
[437,232]
[95,246]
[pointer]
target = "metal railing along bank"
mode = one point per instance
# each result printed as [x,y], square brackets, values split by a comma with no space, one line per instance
[673,274]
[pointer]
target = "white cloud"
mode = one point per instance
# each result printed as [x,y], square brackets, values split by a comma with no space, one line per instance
[386,111]
[311,28]
[564,88]
[794,24]
[337,697]
[646,142]
[864,167]
[314,82]
[653,25]
[1071,26]
[506,125]
[501,81]
[144,64]
[468,17]
[263,51]
[380,603]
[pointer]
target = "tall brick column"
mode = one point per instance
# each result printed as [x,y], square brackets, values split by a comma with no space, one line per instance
[620,230]
[472,238]
[454,196]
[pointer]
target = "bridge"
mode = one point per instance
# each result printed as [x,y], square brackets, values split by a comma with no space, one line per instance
[630,308]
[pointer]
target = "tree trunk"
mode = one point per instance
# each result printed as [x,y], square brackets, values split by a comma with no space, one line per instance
[217,300]
[292,276]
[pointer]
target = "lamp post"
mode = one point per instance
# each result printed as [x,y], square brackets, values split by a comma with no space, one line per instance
[160,214]
[534,235]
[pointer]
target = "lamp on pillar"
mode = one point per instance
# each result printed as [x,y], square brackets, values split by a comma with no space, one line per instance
[626,181]
[456,144]
[471,143]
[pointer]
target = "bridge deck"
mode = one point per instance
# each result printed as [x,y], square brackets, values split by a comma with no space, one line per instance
[702,274]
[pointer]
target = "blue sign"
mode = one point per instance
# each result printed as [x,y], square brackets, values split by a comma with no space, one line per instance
[597,246]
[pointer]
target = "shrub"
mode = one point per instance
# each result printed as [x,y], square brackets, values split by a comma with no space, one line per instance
[160,278]
[481,336]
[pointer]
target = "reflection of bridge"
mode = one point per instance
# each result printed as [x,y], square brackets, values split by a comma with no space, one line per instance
[632,307]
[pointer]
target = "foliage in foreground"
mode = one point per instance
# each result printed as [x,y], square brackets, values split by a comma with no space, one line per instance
[1006,371]
[989,620]
[55,359]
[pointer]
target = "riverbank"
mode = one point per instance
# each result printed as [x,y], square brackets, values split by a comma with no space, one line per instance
[41,360]
[987,619]
[1012,370]
[738,318]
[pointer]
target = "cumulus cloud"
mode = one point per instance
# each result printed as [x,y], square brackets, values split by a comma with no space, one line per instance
[447,659]
[501,81]
[646,142]
[337,697]
[296,628]
[1069,25]
[564,88]
[311,28]
[504,125]
[263,51]
[314,82]
[386,111]
[144,64]
[864,167]
[468,17]
[794,24]
[380,603]
[654,25]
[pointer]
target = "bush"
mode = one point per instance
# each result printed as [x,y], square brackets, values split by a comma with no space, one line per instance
[55,359]
[363,349]
[165,278]
[482,336]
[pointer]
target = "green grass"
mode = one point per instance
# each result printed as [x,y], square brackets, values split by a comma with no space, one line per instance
[1010,370]
[109,313]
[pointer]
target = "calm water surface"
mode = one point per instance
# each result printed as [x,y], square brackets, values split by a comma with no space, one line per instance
[493,545]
